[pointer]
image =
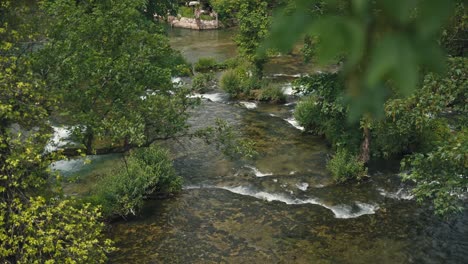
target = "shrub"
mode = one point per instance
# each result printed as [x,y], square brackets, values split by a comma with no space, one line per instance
[307,112]
[201,82]
[272,93]
[206,17]
[186,11]
[146,171]
[240,80]
[344,167]
[232,63]
[231,83]
[181,66]
[206,64]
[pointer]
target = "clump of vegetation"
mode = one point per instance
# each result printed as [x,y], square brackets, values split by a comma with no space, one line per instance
[231,83]
[64,231]
[324,112]
[207,64]
[232,63]
[146,171]
[306,113]
[344,167]
[441,174]
[241,80]
[201,82]
[271,93]
[416,125]
[186,11]
[227,140]
[206,17]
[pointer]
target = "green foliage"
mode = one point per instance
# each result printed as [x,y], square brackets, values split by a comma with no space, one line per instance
[253,28]
[231,83]
[186,11]
[413,123]
[344,167]
[442,174]
[232,62]
[182,67]
[201,82]
[227,140]
[110,85]
[161,8]
[147,171]
[307,113]
[34,229]
[206,64]
[455,35]
[324,111]
[271,93]
[206,17]
[384,43]
[226,9]
[58,231]
[240,80]
[308,50]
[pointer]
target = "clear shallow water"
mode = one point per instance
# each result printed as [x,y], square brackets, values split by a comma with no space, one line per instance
[280,207]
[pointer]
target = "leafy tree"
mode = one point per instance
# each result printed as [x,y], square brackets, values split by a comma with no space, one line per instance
[384,43]
[413,123]
[33,227]
[56,231]
[455,35]
[324,111]
[254,21]
[112,69]
[442,174]
[226,9]
[160,7]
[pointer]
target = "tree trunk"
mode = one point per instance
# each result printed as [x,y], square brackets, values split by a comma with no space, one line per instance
[89,138]
[364,155]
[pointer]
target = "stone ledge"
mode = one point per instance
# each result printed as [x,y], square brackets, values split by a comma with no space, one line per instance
[192,23]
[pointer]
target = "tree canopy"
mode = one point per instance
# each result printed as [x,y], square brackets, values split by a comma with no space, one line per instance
[112,69]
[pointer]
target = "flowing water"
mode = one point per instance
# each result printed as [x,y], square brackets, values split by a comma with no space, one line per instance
[280,207]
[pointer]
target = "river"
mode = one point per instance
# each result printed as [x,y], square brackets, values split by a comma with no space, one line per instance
[280,207]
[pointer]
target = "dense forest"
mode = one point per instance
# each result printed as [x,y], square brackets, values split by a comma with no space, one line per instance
[392,88]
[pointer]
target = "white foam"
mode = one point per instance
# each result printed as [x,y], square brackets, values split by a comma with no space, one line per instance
[248,105]
[294,123]
[346,211]
[287,75]
[59,138]
[401,194]
[259,195]
[176,80]
[259,173]
[287,89]
[214,97]
[340,211]
[302,186]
